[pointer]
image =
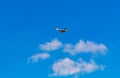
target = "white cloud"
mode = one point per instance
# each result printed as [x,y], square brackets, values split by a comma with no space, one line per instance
[38,56]
[50,46]
[65,67]
[86,47]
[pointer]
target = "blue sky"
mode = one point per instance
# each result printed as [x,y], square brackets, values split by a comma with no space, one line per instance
[27,27]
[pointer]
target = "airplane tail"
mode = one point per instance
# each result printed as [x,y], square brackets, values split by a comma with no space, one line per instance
[65,29]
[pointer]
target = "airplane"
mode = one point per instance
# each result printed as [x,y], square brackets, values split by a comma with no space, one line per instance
[61,30]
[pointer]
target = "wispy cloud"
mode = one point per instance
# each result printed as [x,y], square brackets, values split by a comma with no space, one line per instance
[65,67]
[38,56]
[86,47]
[50,46]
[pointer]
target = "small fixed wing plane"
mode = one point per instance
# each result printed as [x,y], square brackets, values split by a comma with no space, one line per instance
[61,30]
